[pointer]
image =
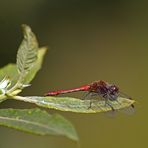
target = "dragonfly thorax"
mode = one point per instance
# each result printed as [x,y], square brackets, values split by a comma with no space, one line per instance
[105,90]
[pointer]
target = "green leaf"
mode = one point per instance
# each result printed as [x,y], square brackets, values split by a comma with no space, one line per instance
[31,74]
[9,70]
[27,52]
[29,60]
[76,105]
[28,56]
[37,66]
[38,122]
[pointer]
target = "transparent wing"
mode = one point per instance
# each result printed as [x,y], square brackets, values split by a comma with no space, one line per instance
[128,110]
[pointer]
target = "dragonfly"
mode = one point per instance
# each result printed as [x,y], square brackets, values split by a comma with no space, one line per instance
[106,91]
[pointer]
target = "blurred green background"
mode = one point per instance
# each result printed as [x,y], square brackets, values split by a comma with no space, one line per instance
[88,41]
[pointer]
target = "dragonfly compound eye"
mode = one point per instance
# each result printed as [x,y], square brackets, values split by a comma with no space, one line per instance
[113,92]
[113,89]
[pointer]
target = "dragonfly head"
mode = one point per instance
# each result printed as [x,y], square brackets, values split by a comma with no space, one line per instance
[113,91]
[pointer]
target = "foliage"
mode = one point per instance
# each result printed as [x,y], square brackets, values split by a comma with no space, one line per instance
[15,77]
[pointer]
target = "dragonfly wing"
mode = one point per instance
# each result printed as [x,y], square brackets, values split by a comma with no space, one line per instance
[130,110]
[121,94]
[89,96]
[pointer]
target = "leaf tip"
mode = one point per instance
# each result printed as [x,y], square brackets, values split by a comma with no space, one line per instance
[26,27]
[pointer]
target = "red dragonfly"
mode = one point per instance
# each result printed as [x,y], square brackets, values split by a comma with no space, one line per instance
[100,88]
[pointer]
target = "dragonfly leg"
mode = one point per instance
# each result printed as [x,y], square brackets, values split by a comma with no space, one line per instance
[86,96]
[107,103]
[89,107]
[90,103]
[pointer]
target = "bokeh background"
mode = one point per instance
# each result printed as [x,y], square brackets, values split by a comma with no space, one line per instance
[88,41]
